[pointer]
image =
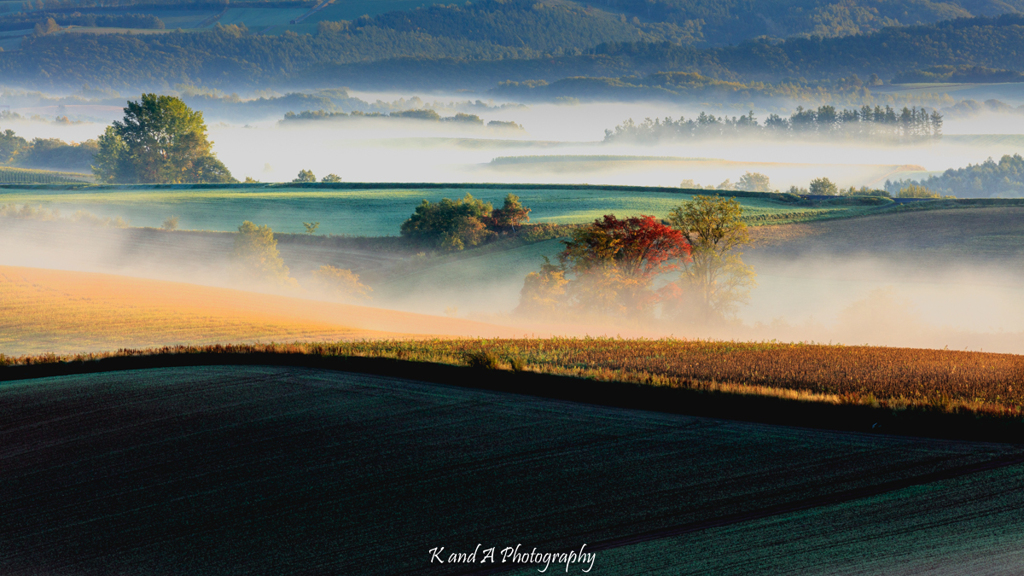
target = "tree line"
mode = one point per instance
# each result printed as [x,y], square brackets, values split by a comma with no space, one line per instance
[909,124]
[45,152]
[984,180]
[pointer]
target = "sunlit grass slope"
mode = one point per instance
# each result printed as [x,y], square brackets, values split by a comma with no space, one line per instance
[60,311]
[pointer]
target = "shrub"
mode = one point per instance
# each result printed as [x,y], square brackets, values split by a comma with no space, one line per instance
[304,177]
[341,283]
[482,359]
[257,256]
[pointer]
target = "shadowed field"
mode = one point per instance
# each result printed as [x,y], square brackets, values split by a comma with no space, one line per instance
[963,233]
[59,311]
[250,469]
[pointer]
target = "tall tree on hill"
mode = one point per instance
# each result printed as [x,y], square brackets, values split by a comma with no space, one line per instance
[160,140]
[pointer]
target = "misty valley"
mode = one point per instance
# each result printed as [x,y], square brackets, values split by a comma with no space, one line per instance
[667,287]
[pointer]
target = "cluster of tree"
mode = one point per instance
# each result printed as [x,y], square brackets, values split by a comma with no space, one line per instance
[609,267]
[215,103]
[985,180]
[749,182]
[456,224]
[825,187]
[908,124]
[46,152]
[161,140]
[307,177]
[427,115]
[969,108]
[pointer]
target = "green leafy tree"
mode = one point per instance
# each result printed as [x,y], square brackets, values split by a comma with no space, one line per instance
[754,182]
[331,178]
[716,280]
[449,224]
[823,187]
[917,191]
[510,216]
[11,145]
[170,223]
[311,227]
[257,256]
[305,176]
[161,140]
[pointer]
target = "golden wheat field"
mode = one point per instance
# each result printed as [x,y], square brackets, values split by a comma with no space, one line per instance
[60,311]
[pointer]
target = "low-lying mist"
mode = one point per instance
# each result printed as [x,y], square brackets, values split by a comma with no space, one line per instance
[850,300]
[394,150]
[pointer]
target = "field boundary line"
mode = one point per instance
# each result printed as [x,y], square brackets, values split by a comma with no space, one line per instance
[716,404]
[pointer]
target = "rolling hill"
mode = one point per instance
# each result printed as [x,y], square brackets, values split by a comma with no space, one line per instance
[230,470]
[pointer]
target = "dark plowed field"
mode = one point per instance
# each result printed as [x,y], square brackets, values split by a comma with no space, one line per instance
[271,470]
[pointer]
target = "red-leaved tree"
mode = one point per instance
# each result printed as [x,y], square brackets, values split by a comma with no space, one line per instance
[611,264]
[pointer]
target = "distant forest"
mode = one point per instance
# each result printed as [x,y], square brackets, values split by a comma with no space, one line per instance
[1004,178]
[487,42]
[45,152]
[690,22]
[907,125]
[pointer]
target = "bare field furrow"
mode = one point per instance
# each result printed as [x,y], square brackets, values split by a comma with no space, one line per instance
[274,466]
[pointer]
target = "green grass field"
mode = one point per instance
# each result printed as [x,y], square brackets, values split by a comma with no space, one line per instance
[366,212]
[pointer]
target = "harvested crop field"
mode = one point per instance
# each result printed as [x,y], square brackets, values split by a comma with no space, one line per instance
[60,311]
[241,470]
[897,377]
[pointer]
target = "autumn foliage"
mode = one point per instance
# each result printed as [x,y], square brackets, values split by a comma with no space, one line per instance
[607,268]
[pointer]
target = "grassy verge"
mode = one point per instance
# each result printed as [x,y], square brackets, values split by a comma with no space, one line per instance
[940,393]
